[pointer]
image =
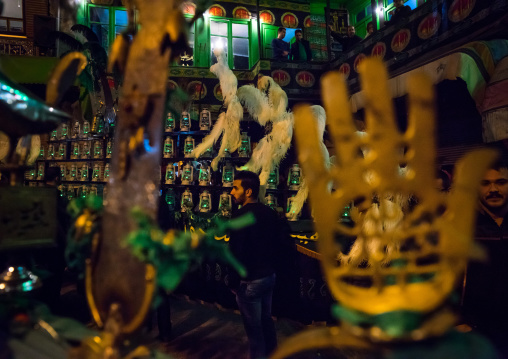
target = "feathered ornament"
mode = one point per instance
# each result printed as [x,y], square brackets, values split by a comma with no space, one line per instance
[268,105]
[228,123]
[299,199]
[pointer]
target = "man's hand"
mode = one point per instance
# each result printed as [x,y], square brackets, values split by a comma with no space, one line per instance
[285,53]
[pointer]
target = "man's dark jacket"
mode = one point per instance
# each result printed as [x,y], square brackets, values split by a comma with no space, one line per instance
[295,52]
[399,14]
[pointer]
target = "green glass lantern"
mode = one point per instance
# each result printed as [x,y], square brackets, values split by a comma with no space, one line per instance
[169,123]
[98,151]
[185,122]
[74,172]
[61,151]
[75,150]
[86,150]
[64,131]
[271,201]
[205,120]
[188,146]
[41,153]
[170,198]
[63,172]
[187,174]
[186,201]
[76,129]
[51,151]
[169,147]
[295,177]
[109,149]
[84,173]
[84,191]
[225,204]
[54,133]
[170,174]
[40,171]
[291,216]
[245,149]
[273,179]
[205,202]
[96,173]
[86,128]
[106,172]
[205,175]
[228,175]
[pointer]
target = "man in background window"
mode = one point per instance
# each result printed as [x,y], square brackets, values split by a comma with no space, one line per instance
[401,11]
[370,29]
[280,48]
[300,50]
[348,41]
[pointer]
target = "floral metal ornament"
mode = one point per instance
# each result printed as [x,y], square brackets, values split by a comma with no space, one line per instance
[396,287]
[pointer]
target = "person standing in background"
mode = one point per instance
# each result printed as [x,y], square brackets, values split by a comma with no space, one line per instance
[258,248]
[300,50]
[280,48]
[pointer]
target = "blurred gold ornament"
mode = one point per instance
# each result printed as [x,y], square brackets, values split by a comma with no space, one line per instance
[409,268]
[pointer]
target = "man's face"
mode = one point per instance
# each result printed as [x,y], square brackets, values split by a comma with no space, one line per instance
[351,31]
[238,193]
[298,36]
[398,3]
[494,189]
[370,29]
[282,34]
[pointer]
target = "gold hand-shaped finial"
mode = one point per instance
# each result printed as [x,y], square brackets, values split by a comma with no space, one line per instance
[414,265]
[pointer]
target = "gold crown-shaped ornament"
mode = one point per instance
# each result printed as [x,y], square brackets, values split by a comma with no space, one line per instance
[393,283]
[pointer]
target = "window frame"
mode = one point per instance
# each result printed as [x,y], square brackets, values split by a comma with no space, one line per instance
[22,19]
[230,22]
[111,19]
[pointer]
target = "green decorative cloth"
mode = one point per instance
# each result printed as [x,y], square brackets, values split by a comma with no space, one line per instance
[174,253]
[303,53]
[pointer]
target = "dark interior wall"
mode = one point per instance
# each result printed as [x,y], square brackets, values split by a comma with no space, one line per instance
[458,120]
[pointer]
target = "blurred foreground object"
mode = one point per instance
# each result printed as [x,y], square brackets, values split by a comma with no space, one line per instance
[395,288]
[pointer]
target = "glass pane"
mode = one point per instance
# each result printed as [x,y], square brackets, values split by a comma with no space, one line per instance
[3,25]
[102,32]
[240,53]
[360,16]
[241,47]
[218,28]
[119,30]
[16,26]
[99,14]
[13,9]
[121,17]
[220,42]
[241,30]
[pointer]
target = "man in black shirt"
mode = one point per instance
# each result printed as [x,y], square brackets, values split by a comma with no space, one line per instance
[492,220]
[300,50]
[348,41]
[256,247]
[401,11]
[486,292]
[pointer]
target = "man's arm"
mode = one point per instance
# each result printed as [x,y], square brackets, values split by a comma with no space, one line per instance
[278,49]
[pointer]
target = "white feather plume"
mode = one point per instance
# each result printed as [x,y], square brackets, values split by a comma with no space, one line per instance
[228,123]
[256,103]
[319,115]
